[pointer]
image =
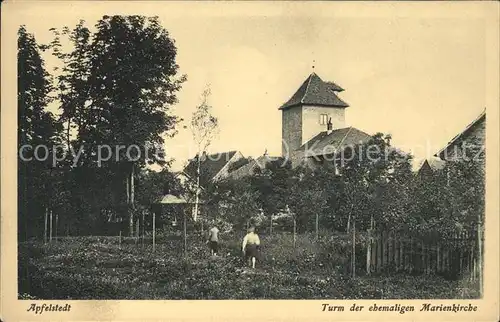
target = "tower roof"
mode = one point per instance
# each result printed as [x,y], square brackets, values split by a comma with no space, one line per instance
[315,91]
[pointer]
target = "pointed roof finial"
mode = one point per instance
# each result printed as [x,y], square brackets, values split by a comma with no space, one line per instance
[314,61]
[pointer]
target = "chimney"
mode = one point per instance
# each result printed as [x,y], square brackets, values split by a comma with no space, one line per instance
[329,126]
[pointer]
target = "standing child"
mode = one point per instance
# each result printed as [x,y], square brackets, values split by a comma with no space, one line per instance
[213,240]
[250,246]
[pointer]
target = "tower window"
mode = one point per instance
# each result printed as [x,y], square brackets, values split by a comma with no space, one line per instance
[323,119]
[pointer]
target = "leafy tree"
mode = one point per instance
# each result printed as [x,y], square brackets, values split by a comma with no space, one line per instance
[273,184]
[204,127]
[38,133]
[115,91]
[234,201]
[374,175]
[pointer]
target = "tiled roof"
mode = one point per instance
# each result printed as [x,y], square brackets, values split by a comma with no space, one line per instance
[325,143]
[210,166]
[249,168]
[315,91]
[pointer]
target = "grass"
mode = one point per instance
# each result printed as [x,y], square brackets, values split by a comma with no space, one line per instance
[100,268]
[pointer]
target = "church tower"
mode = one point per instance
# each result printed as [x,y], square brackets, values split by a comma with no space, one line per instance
[314,108]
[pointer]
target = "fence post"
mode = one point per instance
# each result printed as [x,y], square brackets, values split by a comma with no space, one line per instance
[154,230]
[410,256]
[137,231]
[294,232]
[438,258]
[369,248]
[50,240]
[57,222]
[480,255]
[143,226]
[383,262]
[353,249]
[317,226]
[396,250]
[379,250]
[185,235]
[45,230]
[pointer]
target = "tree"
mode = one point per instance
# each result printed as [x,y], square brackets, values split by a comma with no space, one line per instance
[238,201]
[204,128]
[37,132]
[116,87]
[307,198]
[369,172]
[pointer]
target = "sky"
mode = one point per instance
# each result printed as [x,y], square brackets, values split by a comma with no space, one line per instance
[419,77]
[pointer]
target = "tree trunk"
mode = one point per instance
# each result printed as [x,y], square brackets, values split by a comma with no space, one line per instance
[132,186]
[197,194]
[130,199]
[348,224]
[271,226]
[67,132]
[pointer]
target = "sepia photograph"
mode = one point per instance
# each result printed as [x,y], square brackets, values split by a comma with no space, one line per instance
[171,154]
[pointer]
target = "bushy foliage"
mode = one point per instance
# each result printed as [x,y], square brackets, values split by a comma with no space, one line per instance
[373,187]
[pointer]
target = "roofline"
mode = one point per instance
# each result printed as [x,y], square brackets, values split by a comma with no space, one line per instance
[188,177]
[338,146]
[459,135]
[307,87]
[215,178]
[283,107]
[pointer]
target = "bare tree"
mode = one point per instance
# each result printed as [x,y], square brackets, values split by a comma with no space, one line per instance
[204,127]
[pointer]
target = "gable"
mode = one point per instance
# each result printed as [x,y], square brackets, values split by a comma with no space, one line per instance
[210,166]
[474,133]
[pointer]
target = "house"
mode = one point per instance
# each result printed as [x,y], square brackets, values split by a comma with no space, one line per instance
[313,124]
[186,181]
[213,167]
[468,143]
[430,166]
[251,166]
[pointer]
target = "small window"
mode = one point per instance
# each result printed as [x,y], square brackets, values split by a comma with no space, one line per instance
[323,119]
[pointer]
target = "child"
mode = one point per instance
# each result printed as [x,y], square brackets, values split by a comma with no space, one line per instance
[251,242]
[213,240]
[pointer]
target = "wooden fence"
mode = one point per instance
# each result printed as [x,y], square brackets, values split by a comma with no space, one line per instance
[392,252]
